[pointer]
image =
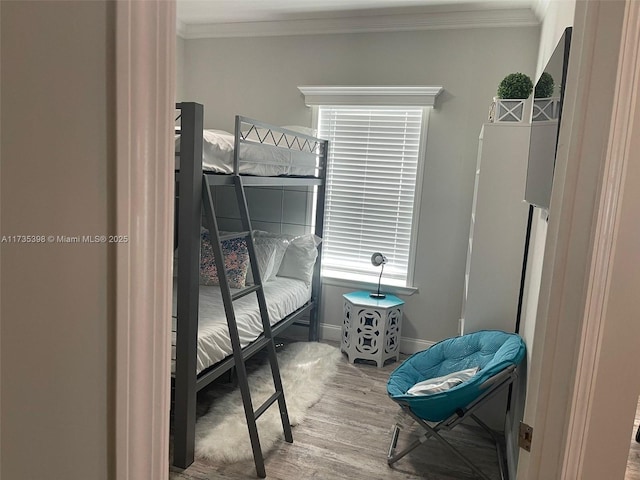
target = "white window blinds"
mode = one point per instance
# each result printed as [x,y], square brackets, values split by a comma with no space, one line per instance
[371,187]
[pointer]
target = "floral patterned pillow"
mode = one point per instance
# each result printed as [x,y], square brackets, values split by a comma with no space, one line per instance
[236,260]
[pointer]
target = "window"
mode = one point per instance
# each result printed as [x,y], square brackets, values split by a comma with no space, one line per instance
[371,189]
[377,135]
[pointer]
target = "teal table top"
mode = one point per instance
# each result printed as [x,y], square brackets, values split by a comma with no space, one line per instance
[363,298]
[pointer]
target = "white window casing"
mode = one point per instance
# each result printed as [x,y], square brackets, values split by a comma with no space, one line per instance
[377,140]
[406,95]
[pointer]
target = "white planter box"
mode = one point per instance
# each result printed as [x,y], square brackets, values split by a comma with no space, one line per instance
[509,110]
[545,109]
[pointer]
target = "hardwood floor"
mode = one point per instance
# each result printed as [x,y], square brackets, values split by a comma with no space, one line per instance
[633,462]
[346,436]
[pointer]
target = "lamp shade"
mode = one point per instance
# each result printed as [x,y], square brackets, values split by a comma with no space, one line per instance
[378,259]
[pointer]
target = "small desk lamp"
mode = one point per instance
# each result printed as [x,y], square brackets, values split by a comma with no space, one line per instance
[378,259]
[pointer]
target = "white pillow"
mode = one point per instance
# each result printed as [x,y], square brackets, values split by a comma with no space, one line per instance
[221,142]
[270,249]
[312,132]
[300,258]
[265,254]
[277,241]
[441,384]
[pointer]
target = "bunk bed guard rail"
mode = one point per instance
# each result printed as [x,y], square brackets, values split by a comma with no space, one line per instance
[301,148]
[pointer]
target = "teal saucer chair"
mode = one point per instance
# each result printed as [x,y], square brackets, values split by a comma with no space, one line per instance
[457,376]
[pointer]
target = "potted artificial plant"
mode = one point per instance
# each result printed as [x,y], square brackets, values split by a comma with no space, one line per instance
[544,105]
[513,90]
[544,87]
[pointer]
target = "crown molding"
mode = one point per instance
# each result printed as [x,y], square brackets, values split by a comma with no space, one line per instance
[514,17]
[540,8]
[181,29]
[417,95]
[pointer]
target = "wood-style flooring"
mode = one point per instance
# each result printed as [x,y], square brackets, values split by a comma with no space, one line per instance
[346,436]
[633,462]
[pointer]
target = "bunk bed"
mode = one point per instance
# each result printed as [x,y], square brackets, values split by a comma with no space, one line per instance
[260,155]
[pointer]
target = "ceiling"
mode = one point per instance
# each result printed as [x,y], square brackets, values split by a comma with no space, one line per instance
[206,18]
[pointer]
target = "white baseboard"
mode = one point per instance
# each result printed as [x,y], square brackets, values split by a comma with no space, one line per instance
[414,345]
[330,332]
[407,345]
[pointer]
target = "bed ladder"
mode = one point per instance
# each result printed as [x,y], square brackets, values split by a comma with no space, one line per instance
[228,298]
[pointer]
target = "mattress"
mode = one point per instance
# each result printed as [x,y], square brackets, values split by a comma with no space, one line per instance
[263,160]
[283,295]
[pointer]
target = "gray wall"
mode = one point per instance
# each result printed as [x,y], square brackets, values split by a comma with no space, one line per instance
[180,46]
[258,77]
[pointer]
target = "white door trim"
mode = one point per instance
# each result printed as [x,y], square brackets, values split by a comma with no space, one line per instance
[145,86]
[579,346]
[612,246]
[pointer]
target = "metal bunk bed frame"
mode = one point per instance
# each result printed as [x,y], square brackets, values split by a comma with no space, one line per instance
[192,192]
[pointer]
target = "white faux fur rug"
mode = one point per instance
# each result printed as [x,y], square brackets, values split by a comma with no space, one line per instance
[305,367]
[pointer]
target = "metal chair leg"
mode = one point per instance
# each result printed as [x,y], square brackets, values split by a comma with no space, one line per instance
[501,462]
[393,457]
[394,443]
[432,432]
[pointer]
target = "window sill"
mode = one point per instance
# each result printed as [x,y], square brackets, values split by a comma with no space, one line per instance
[360,285]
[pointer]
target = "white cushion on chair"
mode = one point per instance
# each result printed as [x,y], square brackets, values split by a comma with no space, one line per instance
[440,384]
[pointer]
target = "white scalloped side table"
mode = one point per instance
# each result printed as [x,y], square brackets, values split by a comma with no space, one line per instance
[371,327]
